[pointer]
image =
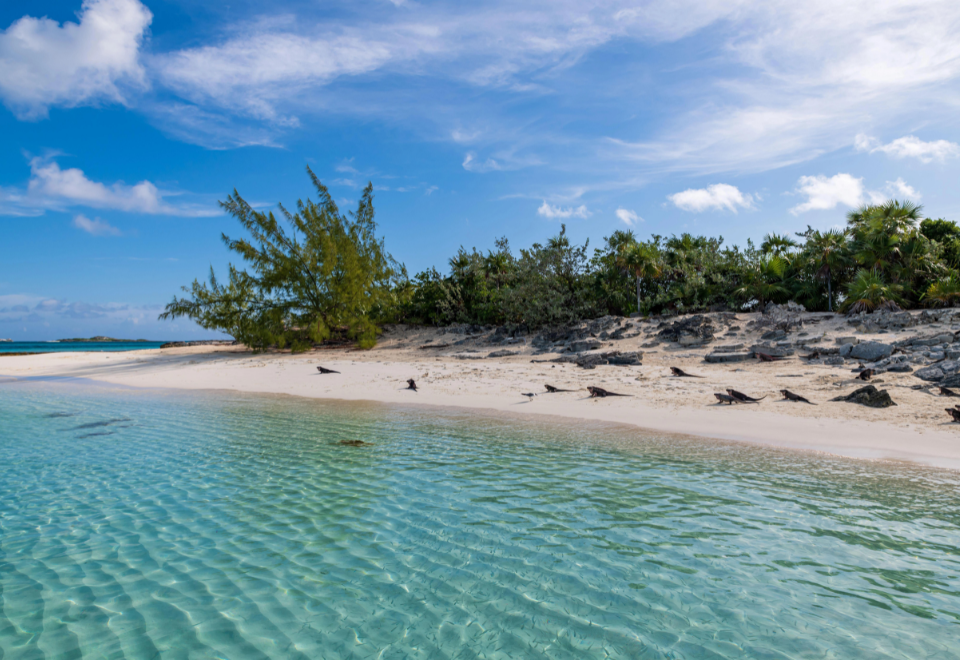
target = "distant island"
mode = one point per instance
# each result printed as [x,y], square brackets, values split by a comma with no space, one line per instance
[101,340]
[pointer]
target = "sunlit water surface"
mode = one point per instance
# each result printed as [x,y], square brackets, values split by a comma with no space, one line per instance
[141,524]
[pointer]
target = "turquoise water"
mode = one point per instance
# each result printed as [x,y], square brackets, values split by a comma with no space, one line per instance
[58,347]
[140,524]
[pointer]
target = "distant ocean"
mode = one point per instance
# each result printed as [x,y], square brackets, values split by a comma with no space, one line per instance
[59,347]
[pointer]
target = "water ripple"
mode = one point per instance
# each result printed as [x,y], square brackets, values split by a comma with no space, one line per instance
[243,527]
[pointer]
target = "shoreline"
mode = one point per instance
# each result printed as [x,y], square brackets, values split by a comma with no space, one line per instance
[658,404]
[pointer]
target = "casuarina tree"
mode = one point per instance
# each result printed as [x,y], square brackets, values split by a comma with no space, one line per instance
[311,275]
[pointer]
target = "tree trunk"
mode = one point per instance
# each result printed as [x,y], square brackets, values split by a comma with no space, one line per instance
[829,295]
[638,294]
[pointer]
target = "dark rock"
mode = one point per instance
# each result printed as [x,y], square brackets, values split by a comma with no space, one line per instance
[696,329]
[718,358]
[871,351]
[901,368]
[868,396]
[584,345]
[774,351]
[503,353]
[931,373]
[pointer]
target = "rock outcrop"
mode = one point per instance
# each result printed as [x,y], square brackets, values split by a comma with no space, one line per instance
[868,396]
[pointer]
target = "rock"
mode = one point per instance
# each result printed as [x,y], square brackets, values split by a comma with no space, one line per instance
[871,351]
[945,338]
[868,396]
[773,335]
[504,353]
[616,358]
[775,351]
[727,348]
[833,360]
[949,381]
[901,368]
[728,357]
[936,356]
[847,340]
[932,373]
[584,345]
[698,329]
[626,359]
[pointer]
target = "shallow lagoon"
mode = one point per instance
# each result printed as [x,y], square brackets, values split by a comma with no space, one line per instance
[142,524]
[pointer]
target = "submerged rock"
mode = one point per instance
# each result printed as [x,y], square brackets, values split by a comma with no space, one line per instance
[868,396]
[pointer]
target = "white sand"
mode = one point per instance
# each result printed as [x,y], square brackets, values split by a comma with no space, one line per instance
[916,430]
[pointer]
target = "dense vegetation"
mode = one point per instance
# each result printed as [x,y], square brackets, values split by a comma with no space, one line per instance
[329,277]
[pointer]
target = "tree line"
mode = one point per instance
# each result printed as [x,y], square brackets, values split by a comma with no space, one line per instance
[318,275]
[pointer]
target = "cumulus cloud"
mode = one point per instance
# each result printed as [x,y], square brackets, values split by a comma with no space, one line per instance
[44,64]
[97,227]
[824,193]
[554,212]
[719,196]
[628,217]
[910,147]
[901,188]
[51,187]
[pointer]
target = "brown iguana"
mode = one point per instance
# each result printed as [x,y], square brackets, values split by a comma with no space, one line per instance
[743,398]
[680,373]
[790,396]
[600,392]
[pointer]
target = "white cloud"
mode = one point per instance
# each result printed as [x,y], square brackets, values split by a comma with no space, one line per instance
[429,191]
[51,187]
[471,164]
[553,212]
[824,193]
[628,217]
[43,64]
[901,188]
[97,227]
[910,147]
[718,196]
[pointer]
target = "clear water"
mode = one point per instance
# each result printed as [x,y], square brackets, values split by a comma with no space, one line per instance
[138,524]
[60,347]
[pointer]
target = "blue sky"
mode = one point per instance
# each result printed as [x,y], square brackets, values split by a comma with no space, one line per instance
[125,121]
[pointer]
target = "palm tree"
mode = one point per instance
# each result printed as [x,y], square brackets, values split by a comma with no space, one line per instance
[643,260]
[777,244]
[869,291]
[830,252]
[763,279]
[944,292]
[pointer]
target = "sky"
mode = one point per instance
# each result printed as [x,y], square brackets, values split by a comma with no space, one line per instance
[124,122]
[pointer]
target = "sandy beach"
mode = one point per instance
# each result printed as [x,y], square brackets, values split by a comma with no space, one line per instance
[916,429]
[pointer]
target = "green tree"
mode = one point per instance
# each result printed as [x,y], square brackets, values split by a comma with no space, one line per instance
[830,253]
[777,244]
[323,275]
[868,292]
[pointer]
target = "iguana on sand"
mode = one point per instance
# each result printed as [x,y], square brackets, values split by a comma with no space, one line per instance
[600,392]
[680,373]
[790,396]
[324,370]
[743,398]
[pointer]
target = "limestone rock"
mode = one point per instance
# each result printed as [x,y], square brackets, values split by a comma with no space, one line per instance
[932,373]
[871,351]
